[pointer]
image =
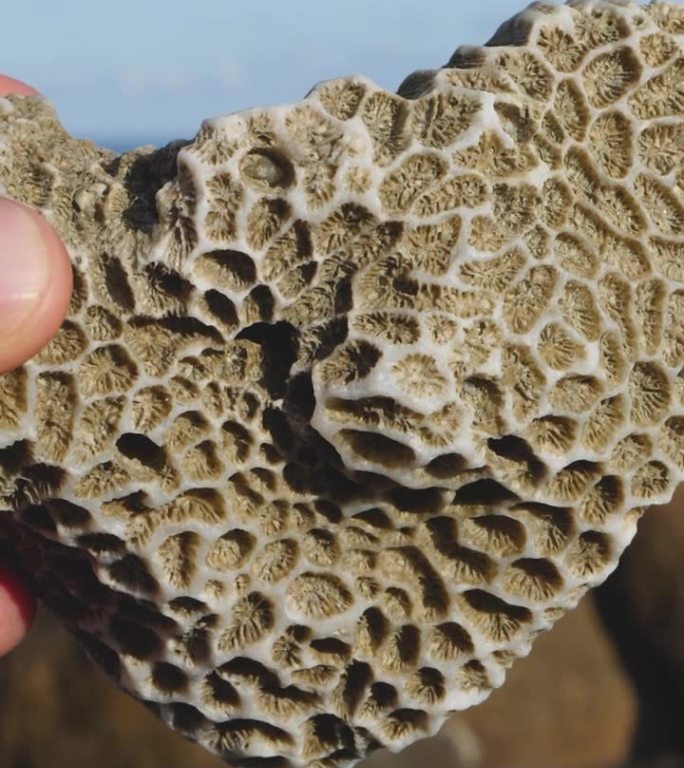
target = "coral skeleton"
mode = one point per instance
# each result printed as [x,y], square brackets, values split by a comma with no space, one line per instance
[357,396]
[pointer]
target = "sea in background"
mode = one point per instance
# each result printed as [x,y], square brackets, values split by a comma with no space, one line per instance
[123,144]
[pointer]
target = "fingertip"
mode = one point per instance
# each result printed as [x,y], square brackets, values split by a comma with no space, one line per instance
[11,85]
[35,283]
[17,610]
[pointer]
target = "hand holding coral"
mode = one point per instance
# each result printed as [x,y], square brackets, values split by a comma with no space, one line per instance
[35,285]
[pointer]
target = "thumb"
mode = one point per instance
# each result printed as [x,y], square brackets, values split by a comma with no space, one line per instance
[35,283]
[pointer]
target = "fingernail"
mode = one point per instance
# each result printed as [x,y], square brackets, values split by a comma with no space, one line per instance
[25,267]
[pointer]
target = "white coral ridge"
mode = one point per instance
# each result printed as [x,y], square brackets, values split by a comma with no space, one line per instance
[357,396]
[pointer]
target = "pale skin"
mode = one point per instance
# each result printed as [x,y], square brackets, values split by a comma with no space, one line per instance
[31,310]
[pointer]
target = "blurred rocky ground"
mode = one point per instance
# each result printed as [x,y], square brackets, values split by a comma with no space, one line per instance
[603,689]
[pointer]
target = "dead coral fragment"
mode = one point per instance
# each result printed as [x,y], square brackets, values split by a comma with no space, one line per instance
[357,394]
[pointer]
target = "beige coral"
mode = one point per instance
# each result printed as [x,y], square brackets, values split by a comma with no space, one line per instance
[357,396]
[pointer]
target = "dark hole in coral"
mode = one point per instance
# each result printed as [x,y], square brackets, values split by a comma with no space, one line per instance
[221,307]
[209,621]
[378,449]
[37,516]
[343,297]
[262,298]
[303,238]
[270,454]
[183,326]
[599,542]
[457,636]
[121,359]
[278,342]
[330,646]
[339,486]
[331,512]
[15,456]
[408,643]
[484,492]
[414,717]
[43,479]
[484,602]
[357,677]
[143,179]
[221,690]
[543,570]
[238,437]
[168,281]
[251,670]
[168,677]
[131,573]
[102,543]
[375,517]
[186,719]
[332,731]
[364,356]
[79,290]
[197,645]
[404,284]
[511,447]
[329,336]
[307,271]
[417,500]
[502,526]
[145,612]
[133,639]
[231,733]
[560,518]
[292,693]
[445,540]
[140,448]
[135,503]
[476,671]
[376,625]
[116,280]
[445,466]
[187,606]
[67,514]
[435,596]
[300,400]
[268,165]
[276,423]
[384,694]
[261,762]
[239,264]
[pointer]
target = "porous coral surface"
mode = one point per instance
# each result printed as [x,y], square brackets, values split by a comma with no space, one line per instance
[357,396]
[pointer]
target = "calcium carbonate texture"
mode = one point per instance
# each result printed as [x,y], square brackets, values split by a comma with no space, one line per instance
[357,396]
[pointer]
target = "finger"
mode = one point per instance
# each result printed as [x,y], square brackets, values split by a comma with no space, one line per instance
[10,85]
[35,283]
[17,609]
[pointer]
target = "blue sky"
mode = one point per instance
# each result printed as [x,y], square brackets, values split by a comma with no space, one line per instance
[152,70]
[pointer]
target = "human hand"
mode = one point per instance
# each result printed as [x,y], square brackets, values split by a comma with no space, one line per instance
[35,287]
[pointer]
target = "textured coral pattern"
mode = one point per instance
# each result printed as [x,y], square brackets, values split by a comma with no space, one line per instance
[358,395]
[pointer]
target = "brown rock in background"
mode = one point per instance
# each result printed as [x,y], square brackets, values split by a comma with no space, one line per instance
[643,605]
[567,705]
[652,579]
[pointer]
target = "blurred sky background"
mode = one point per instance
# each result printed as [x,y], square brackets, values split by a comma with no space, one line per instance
[138,71]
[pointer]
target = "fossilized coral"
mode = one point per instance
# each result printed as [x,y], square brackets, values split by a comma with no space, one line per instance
[357,396]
